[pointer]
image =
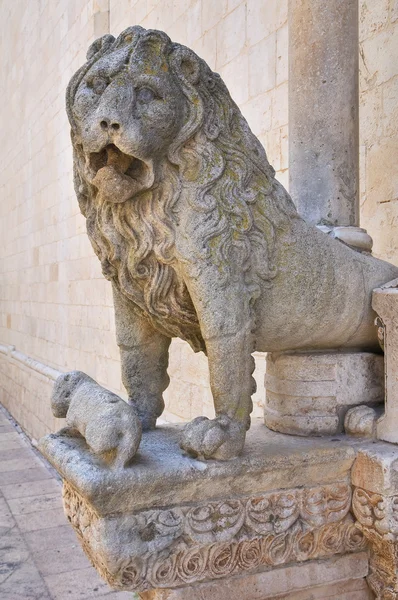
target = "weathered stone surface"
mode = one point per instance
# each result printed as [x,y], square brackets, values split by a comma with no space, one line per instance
[308,581]
[161,475]
[385,303]
[176,521]
[310,393]
[376,468]
[110,426]
[188,544]
[371,512]
[361,421]
[198,238]
[375,506]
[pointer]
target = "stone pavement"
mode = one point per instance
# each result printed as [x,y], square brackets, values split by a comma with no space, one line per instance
[40,557]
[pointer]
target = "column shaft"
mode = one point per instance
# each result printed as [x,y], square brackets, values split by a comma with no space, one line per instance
[323,110]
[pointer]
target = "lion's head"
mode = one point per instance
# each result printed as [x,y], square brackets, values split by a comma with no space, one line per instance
[149,119]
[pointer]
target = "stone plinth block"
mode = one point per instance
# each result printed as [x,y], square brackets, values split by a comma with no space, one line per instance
[169,521]
[385,303]
[309,393]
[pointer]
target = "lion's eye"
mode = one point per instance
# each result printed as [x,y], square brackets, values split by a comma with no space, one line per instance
[98,85]
[145,95]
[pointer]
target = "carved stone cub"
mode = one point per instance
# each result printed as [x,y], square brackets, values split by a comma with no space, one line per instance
[110,426]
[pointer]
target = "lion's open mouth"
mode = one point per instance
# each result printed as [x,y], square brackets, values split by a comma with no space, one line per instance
[118,176]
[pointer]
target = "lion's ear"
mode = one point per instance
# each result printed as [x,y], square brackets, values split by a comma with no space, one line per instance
[190,69]
[100,45]
[186,63]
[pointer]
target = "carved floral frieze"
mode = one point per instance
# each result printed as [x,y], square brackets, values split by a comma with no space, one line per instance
[377,512]
[180,545]
[377,519]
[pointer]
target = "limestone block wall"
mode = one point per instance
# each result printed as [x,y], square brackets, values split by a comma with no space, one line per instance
[55,305]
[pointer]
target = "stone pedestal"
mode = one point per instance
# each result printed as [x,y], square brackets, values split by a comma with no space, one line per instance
[278,518]
[385,303]
[310,393]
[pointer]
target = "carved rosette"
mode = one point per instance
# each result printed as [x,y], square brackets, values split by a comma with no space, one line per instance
[182,545]
[377,519]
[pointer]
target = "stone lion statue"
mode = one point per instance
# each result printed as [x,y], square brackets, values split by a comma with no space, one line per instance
[110,426]
[198,238]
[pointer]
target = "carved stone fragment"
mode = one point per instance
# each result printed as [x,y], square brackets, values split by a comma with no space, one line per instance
[375,506]
[198,238]
[361,421]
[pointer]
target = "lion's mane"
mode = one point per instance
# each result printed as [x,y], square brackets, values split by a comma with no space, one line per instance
[234,186]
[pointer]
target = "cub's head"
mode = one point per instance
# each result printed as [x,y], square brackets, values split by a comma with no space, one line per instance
[64,388]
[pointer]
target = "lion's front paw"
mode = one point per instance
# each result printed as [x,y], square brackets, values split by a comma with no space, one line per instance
[221,438]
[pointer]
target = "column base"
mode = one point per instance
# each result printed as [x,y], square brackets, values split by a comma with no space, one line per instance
[310,393]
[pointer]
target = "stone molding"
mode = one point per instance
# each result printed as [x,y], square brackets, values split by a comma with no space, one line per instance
[181,545]
[29,362]
[377,519]
[355,237]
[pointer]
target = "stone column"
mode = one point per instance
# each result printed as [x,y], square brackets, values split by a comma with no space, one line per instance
[323,110]
[324,181]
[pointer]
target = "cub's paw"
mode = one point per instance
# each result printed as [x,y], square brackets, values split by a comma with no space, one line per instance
[221,438]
